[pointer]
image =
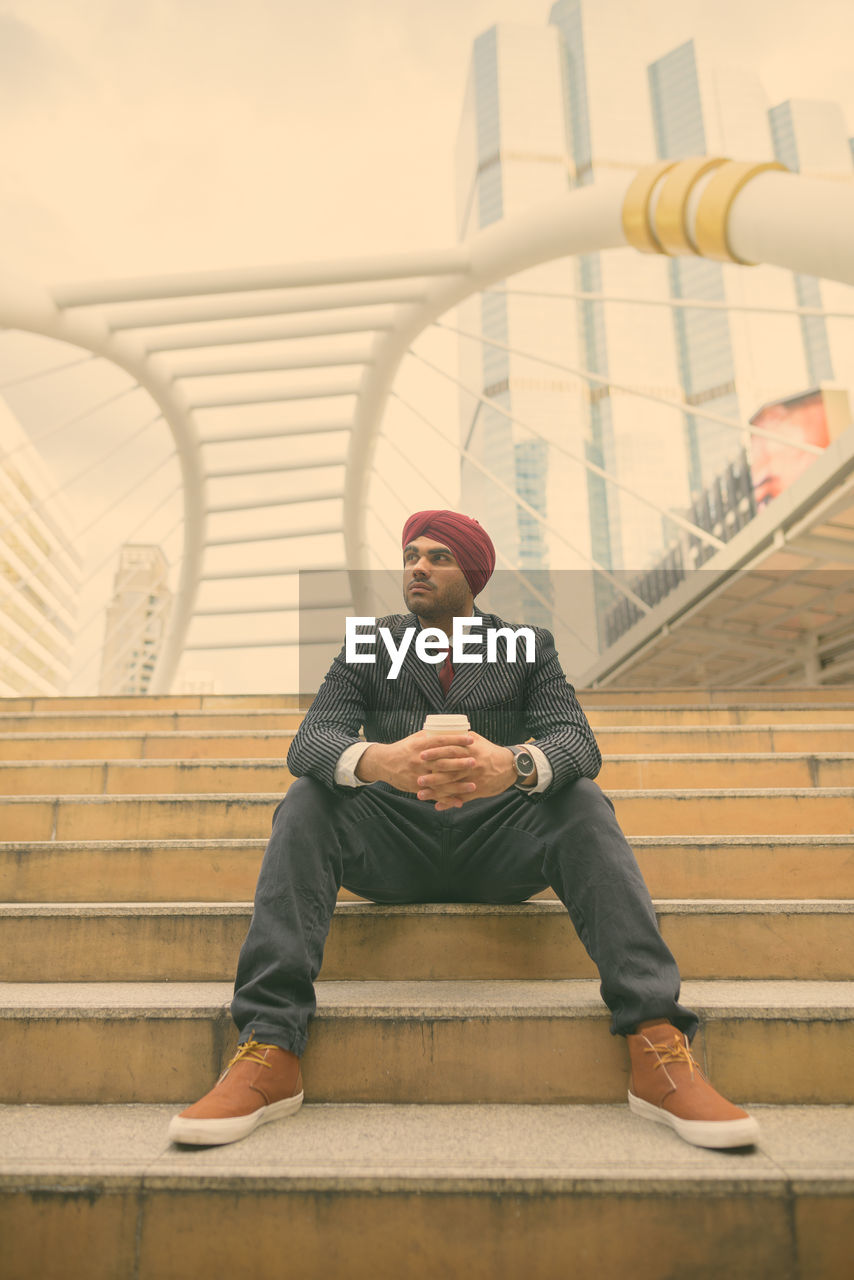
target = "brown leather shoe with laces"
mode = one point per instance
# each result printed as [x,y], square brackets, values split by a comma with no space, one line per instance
[261,1082]
[667,1086]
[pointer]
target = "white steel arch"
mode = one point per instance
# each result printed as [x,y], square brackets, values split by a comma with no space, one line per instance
[30,307]
[159,329]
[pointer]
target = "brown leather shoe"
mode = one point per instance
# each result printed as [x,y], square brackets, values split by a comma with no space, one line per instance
[667,1086]
[261,1082]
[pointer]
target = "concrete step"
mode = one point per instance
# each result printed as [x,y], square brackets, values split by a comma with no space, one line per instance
[260,719]
[744,811]
[469,1041]
[155,702]
[715,697]
[219,870]
[195,777]
[269,744]
[273,744]
[678,740]
[724,714]
[142,777]
[148,720]
[747,769]
[199,942]
[664,696]
[380,1192]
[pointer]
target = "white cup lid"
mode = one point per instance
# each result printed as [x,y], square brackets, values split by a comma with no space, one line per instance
[447,724]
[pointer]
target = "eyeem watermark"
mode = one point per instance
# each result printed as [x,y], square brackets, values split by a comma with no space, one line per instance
[431,644]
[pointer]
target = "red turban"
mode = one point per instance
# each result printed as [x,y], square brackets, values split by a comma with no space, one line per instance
[469,541]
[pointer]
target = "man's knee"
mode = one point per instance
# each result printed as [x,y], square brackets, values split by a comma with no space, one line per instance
[581,800]
[307,832]
[305,801]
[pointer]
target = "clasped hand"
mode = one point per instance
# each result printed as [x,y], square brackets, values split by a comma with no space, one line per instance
[447,770]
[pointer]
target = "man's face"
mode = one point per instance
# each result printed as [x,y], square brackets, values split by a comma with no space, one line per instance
[434,586]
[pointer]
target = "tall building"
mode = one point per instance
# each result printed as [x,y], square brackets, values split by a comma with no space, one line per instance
[511,154]
[810,137]
[703,338]
[39,571]
[604,506]
[135,621]
[608,127]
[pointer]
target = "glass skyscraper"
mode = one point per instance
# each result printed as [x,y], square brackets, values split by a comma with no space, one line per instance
[795,129]
[607,127]
[599,446]
[703,339]
[504,165]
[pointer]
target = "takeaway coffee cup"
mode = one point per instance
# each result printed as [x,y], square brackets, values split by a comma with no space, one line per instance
[447,724]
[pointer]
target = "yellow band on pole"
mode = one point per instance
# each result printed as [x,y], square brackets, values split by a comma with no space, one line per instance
[669,223]
[636,220]
[710,226]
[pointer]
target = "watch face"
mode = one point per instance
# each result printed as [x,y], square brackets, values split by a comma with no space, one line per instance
[524,764]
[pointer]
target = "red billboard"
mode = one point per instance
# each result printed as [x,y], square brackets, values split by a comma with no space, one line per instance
[773,467]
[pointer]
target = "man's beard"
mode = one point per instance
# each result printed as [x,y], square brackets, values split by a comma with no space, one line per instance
[427,607]
[424,608]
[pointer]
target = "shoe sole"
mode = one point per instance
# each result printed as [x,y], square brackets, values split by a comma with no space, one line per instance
[700,1133]
[214,1133]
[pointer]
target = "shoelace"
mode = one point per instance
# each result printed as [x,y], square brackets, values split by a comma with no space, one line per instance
[250,1051]
[676,1050]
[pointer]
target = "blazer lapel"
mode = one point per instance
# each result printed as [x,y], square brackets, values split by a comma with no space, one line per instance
[425,674]
[468,675]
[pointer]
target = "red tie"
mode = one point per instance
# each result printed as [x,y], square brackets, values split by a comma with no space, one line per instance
[446,674]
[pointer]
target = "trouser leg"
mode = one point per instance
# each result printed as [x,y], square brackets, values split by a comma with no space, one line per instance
[294,900]
[573,842]
[378,844]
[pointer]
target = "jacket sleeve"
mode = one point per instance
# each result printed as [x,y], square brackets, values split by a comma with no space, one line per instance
[331,724]
[555,721]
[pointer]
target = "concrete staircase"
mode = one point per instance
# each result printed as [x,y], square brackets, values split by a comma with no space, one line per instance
[466,1112]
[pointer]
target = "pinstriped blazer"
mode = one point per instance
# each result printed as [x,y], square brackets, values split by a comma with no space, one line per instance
[506,702]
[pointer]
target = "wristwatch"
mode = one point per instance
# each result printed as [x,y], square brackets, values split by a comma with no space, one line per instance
[526,766]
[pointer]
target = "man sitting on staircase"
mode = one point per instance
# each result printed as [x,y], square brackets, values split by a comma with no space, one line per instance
[405,816]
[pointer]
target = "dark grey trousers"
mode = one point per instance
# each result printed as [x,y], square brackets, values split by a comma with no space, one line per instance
[393,848]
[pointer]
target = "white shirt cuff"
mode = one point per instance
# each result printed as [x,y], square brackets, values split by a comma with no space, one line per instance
[345,768]
[544,769]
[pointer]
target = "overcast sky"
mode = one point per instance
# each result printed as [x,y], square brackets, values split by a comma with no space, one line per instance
[160,135]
